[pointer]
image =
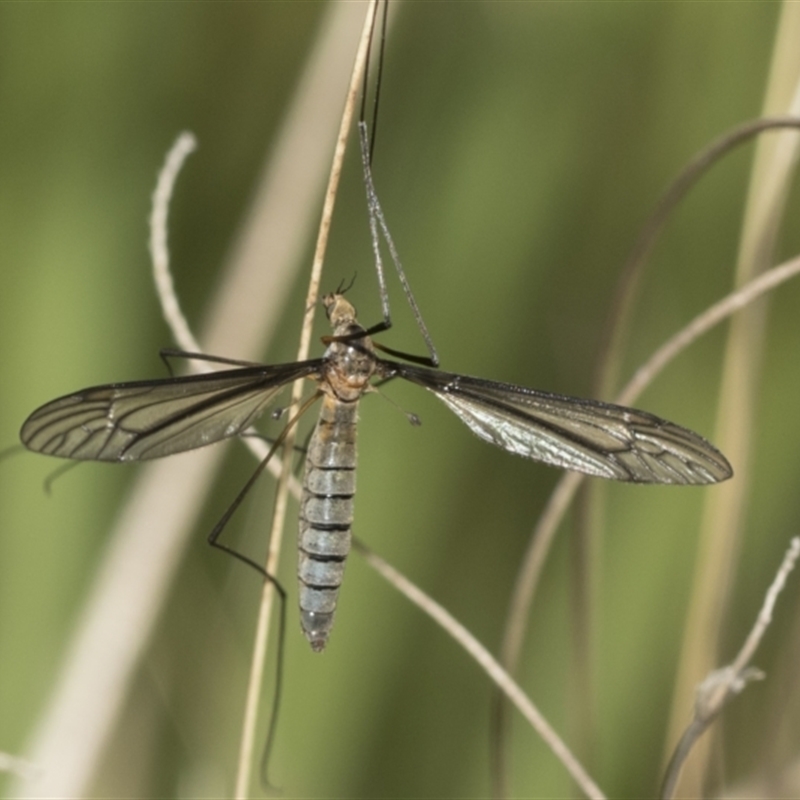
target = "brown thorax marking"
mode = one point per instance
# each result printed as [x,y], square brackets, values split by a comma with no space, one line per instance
[349,364]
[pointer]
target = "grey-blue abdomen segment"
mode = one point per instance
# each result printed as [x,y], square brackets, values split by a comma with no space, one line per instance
[326,515]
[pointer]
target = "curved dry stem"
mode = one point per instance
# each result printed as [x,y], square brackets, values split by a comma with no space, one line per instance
[724,684]
[184,145]
[701,324]
[609,352]
[176,320]
[489,664]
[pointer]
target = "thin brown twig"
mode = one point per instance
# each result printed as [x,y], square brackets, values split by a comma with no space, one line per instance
[722,685]
[703,323]
[625,291]
[281,501]
[490,665]
[183,335]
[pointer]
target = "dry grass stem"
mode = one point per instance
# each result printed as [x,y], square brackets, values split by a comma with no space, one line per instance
[701,324]
[256,680]
[176,320]
[764,618]
[610,351]
[723,684]
[490,665]
[184,145]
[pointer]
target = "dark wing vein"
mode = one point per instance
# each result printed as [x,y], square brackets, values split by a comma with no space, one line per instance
[151,419]
[600,439]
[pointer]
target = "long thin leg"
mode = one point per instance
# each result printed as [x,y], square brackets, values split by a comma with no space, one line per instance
[213,537]
[169,352]
[378,80]
[376,217]
[373,228]
[376,220]
[423,360]
[213,540]
[273,722]
[56,474]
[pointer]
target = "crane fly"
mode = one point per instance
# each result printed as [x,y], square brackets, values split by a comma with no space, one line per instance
[144,420]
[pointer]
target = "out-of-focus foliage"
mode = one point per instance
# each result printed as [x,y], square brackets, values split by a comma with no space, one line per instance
[520,146]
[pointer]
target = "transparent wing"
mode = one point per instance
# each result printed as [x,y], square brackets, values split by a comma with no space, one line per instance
[588,436]
[152,419]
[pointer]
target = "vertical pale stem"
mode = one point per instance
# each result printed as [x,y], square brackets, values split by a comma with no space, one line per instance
[279,515]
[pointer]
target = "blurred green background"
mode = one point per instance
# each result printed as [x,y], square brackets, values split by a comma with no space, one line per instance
[521,145]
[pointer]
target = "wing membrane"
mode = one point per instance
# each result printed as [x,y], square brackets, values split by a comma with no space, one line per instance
[589,436]
[151,419]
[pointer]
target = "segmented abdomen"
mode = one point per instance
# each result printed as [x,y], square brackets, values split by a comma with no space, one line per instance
[326,515]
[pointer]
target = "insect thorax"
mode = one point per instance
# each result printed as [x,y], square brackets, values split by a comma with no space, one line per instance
[349,365]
